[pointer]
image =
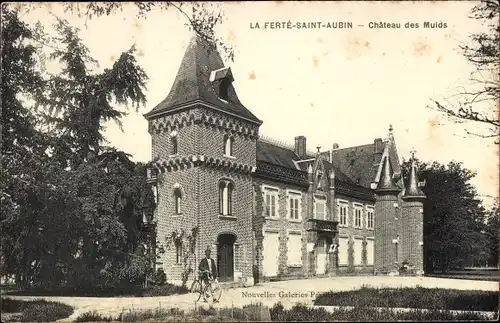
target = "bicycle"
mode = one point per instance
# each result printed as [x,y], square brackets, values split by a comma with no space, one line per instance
[211,287]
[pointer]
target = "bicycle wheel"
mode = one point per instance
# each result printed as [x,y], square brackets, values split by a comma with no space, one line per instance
[216,291]
[196,288]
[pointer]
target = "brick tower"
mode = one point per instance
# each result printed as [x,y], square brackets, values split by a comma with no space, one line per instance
[412,220]
[204,150]
[386,218]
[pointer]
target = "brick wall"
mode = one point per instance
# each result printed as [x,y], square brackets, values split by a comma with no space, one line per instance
[412,233]
[281,224]
[351,232]
[201,132]
[386,229]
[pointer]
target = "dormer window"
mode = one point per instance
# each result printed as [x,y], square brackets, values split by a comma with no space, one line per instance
[228,146]
[173,143]
[221,80]
[223,88]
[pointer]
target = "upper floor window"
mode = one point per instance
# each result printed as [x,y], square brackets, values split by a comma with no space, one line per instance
[226,189]
[342,211]
[173,143]
[271,195]
[177,200]
[228,146]
[369,217]
[358,210]
[294,205]
[320,209]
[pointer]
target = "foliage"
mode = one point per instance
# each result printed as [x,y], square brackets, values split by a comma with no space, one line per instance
[479,103]
[72,209]
[492,232]
[37,310]
[93,316]
[129,290]
[187,242]
[453,216]
[302,313]
[419,297]
[76,214]
[200,17]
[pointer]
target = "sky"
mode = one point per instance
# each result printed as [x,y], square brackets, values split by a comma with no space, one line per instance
[342,86]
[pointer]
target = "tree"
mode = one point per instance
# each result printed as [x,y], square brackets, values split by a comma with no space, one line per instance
[453,216]
[202,19]
[187,243]
[479,103]
[492,232]
[73,209]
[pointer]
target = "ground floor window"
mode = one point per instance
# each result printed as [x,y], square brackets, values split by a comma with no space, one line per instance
[343,251]
[370,250]
[294,253]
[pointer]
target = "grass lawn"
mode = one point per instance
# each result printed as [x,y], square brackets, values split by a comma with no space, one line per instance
[419,297]
[486,274]
[33,311]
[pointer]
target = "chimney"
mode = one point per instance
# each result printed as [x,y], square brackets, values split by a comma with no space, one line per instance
[300,146]
[335,146]
[378,150]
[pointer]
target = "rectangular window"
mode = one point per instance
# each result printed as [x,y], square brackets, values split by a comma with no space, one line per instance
[369,218]
[358,210]
[320,209]
[294,246]
[271,199]
[294,205]
[343,251]
[342,210]
[178,253]
[370,251]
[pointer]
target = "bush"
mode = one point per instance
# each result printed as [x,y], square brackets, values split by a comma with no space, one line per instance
[37,310]
[165,290]
[121,290]
[302,313]
[93,317]
[429,298]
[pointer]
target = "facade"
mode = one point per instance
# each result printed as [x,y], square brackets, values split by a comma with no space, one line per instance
[266,210]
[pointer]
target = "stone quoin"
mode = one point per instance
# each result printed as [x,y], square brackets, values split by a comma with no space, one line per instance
[267,210]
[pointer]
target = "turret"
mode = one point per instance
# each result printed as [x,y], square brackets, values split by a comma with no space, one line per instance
[386,217]
[412,220]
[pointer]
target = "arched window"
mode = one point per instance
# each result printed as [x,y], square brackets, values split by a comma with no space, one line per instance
[228,145]
[177,200]
[226,189]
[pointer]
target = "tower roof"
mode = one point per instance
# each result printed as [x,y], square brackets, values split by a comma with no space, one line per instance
[386,182]
[413,190]
[199,74]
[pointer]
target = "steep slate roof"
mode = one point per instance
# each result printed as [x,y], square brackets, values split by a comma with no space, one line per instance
[277,155]
[192,83]
[357,163]
[281,156]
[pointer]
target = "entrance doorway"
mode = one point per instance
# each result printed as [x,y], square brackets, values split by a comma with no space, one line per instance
[225,257]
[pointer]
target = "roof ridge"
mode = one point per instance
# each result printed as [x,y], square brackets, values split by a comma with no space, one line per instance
[351,147]
[276,142]
[282,144]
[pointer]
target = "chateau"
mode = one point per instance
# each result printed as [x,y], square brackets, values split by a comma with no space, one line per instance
[268,211]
